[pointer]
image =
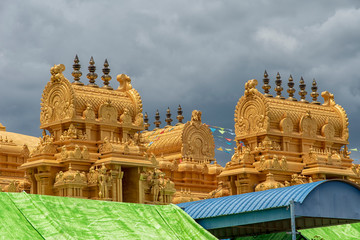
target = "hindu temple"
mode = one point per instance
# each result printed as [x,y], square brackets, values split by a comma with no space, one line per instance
[92,145]
[96,144]
[283,141]
[186,154]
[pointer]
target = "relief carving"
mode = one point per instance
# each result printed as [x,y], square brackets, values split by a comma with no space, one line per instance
[272,164]
[108,113]
[77,153]
[104,182]
[89,112]
[155,184]
[251,117]
[139,120]
[328,130]
[125,118]
[308,125]
[73,133]
[286,125]
[46,146]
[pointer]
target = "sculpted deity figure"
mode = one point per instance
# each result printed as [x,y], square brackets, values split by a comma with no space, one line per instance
[125,118]
[196,116]
[103,181]
[89,112]
[139,120]
[156,186]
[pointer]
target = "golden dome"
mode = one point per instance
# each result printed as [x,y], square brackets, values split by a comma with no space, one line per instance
[270,183]
[70,177]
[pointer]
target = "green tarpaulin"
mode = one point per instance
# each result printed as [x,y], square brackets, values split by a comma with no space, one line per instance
[27,216]
[343,232]
[346,231]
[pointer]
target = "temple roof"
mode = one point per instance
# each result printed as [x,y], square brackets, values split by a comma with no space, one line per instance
[257,113]
[18,139]
[192,140]
[63,100]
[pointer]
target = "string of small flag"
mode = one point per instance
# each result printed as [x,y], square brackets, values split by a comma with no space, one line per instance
[156,137]
[224,138]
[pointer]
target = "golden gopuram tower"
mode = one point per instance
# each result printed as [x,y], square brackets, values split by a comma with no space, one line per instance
[94,148]
[283,141]
[186,154]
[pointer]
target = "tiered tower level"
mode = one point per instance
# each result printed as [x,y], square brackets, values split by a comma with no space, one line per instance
[284,141]
[186,154]
[94,148]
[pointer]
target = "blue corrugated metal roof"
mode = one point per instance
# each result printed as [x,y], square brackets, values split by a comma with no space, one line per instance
[248,202]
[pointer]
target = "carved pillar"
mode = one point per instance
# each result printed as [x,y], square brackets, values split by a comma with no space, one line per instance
[238,187]
[44,183]
[286,144]
[117,176]
[88,128]
[126,132]
[33,187]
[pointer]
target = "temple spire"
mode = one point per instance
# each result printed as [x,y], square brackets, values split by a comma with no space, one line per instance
[291,89]
[146,120]
[168,119]
[266,85]
[76,73]
[106,77]
[278,87]
[302,91]
[314,94]
[180,117]
[92,75]
[157,119]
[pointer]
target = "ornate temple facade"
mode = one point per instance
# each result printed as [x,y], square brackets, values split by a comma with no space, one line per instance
[97,144]
[186,154]
[14,150]
[283,141]
[92,145]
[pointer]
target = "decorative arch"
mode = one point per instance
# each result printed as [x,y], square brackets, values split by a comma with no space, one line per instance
[251,114]
[108,113]
[308,125]
[198,141]
[57,101]
[286,125]
[344,120]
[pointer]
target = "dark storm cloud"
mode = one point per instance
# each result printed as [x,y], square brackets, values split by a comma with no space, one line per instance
[195,53]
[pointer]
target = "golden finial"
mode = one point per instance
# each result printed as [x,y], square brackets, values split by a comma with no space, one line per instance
[92,75]
[168,119]
[278,87]
[291,89]
[180,117]
[314,94]
[146,120]
[106,77]
[266,85]
[157,119]
[302,91]
[76,73]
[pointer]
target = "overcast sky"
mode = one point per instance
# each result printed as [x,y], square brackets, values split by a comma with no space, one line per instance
[195,53]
